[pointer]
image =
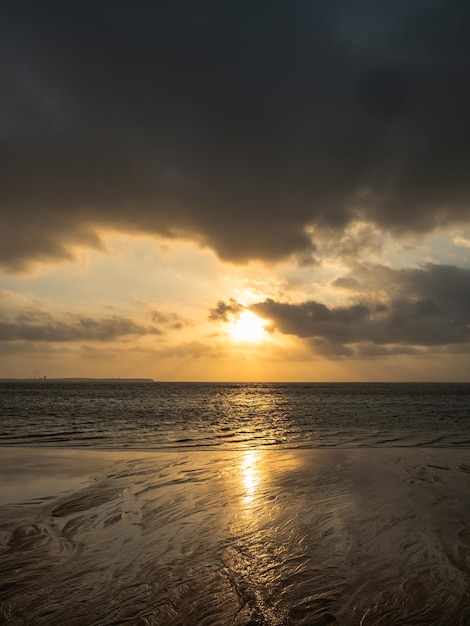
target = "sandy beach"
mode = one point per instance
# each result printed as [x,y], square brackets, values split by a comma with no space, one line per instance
[363,536]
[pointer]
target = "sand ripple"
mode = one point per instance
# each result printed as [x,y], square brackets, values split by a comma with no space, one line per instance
[360,537]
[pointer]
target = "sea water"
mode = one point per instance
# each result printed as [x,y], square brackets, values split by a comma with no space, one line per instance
[234,416]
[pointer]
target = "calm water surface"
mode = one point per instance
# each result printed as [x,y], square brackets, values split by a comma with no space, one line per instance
[234,416]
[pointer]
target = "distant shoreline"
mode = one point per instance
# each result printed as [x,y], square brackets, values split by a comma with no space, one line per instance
[76,380]
[233,382]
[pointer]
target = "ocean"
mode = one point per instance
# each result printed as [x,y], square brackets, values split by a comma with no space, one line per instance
[155,504]
[163,416]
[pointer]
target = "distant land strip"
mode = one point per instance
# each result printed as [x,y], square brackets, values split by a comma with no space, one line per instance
[77,380]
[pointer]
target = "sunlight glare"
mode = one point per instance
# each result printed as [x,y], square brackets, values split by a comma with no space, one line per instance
[250,474]
[248,327]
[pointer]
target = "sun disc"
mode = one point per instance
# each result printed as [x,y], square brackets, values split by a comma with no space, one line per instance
[248,327]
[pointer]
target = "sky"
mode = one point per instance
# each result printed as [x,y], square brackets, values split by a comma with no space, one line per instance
[235,191]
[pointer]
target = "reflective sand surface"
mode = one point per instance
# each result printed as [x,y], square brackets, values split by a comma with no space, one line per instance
[255,537]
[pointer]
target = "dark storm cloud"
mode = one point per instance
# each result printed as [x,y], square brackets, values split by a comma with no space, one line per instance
[446,286]
[421,308]
[235,124]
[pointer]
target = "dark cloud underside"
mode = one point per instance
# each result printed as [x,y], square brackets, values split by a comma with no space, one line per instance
[235,124]
[425,308]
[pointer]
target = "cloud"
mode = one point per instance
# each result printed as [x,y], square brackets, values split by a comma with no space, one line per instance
[246,127]
[447,286]
[422,309]
[32,324]
[223,311]
[191,349]
[172,320]
[33,350]
[76,328]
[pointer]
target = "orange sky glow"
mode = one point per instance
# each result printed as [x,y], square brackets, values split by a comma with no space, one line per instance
[256,193]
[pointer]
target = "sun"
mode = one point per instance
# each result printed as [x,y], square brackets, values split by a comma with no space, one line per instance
[248,327]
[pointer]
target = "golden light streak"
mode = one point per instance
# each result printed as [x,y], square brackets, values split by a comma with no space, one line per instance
[250,473]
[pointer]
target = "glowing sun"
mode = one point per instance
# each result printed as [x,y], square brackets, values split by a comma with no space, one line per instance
[248,327]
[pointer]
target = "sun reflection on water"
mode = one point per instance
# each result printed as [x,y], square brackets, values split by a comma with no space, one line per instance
[250,474]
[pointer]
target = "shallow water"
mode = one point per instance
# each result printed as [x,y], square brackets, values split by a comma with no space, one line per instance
[351,537]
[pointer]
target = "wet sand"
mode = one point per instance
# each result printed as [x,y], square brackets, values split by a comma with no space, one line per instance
[353,537]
